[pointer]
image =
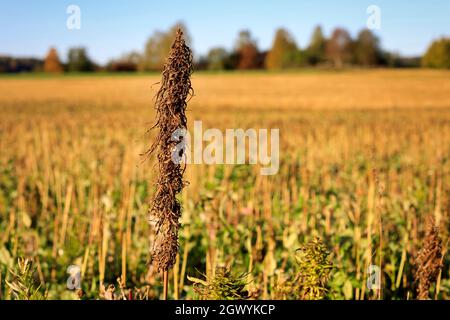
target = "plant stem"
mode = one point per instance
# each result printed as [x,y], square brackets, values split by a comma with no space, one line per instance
[166,283]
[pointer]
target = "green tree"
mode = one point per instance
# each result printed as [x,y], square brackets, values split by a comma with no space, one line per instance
[79,61]
[438,54]
[217,58]
[284,52]
[316,50]
[367,49]
[158,46]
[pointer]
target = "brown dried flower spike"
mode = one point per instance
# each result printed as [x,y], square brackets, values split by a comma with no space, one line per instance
[429,260]
[171,102]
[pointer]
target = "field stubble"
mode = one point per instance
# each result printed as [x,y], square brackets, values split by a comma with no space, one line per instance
[365,156]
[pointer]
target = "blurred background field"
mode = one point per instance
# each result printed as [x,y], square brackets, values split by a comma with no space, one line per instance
[365,156]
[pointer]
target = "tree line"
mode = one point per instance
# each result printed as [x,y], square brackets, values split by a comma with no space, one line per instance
[339,50]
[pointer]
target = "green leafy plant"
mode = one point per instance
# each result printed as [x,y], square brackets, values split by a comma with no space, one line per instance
[314,270]
[23,285]
[223,285]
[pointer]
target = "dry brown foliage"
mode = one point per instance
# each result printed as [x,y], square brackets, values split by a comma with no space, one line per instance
[171,102]
[429,260]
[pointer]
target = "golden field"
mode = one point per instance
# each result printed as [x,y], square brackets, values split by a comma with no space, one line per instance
[365,157]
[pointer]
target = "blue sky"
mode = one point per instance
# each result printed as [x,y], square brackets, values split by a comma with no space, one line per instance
[111,28]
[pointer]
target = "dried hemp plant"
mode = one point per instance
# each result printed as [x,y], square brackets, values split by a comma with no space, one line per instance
[428,262]
[170,105]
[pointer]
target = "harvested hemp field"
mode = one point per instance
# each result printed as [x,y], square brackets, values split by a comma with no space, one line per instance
[357,148]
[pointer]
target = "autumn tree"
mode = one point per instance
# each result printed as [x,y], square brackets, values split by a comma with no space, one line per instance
[127,63]
[247,51]
[339,48]
[52,63]
[284,51]
[158,46]
[367,49]
[316,49]
[438,54]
